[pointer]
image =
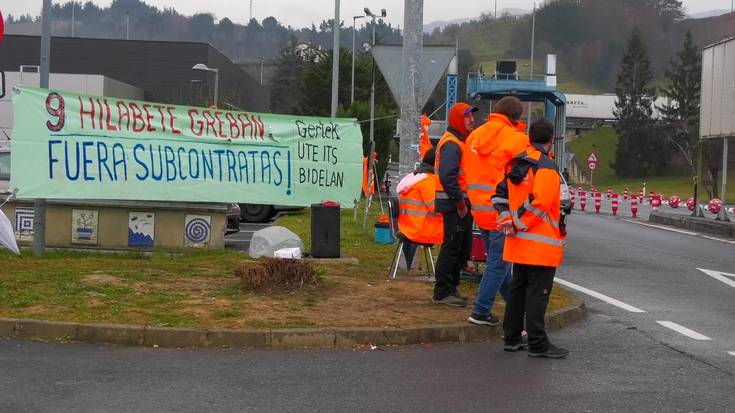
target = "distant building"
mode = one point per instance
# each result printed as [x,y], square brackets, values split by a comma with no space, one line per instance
[163,70]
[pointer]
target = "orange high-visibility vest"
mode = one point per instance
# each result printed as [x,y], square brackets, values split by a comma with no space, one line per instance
[449,137]
[533,205]
[365,177]
[424,141]
[417,220]
[489,148]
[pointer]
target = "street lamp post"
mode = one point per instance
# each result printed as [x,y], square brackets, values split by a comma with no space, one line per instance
[372,86]
[127,25]
[352,88]
[202,66]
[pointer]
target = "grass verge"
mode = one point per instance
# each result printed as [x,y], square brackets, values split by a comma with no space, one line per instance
[200,289]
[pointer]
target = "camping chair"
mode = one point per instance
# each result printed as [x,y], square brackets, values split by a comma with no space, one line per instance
[394,210]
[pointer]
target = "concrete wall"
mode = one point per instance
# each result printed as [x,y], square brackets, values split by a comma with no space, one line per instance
[113,224]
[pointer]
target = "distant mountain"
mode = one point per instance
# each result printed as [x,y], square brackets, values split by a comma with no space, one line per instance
[440,24]
[709,13]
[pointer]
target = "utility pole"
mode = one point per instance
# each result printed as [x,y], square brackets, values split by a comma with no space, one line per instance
[262,60]
[352,88]
[413,43]
[73,7]
[335,60]
[496,9]
[722,216]
[39,205]
[127,25]
[533,41]
[251,11]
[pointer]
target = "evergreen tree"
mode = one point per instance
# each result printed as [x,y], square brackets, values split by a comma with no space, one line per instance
[636,155]
[680,116]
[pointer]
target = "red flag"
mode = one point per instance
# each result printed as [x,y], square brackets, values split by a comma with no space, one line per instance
[2,27]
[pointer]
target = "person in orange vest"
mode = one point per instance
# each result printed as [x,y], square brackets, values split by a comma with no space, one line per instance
[417,220]
[452,202]
[528,201]
[489,149]
[424,141]
[365,176]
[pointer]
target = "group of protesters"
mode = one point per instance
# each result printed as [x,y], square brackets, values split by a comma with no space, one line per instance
[506,182]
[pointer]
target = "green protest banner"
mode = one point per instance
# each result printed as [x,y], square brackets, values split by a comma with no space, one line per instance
[69,146]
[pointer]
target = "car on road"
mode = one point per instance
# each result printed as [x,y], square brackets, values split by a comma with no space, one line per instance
[258,213]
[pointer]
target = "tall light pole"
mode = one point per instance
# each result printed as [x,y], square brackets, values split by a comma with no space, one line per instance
[533,41]
[335,60]
[262,61]
[372,85]
[127,25]
[39,205]
[202,66]
[496,9]
[73,22]
[352,88]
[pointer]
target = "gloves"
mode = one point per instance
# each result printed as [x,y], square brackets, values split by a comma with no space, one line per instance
[462,209]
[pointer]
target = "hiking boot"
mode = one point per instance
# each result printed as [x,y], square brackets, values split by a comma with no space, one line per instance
[451,300]
[553,352]
[484,320]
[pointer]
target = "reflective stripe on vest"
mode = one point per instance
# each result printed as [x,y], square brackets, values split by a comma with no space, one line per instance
[541,214]
[517,221]
[443,195]
[540,238]
[480,187]
[417,213]
[416,202]
[484,208]
[497,200]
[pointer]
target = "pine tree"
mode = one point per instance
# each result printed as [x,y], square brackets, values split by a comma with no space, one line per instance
[680,116]
[636,155]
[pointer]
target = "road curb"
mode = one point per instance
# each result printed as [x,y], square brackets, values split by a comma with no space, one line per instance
[705,225]
[169,337]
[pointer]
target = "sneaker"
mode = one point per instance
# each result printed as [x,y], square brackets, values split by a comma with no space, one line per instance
[553,352]
[515,347]
[452,300]
[484,320]
[457,294]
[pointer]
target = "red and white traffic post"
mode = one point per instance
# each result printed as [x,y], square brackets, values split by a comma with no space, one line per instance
[598,202]
[634,205]
[583,200]
[615,204]
[626,193]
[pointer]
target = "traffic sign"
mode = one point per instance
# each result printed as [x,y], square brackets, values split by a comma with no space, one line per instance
[592,161]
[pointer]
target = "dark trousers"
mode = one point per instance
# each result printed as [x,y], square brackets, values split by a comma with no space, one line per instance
[529,296]
[455,252]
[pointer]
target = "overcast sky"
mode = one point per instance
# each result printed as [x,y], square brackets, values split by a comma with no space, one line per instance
[301,13]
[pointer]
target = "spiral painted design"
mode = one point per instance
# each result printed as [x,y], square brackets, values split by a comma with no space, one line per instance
[197,230]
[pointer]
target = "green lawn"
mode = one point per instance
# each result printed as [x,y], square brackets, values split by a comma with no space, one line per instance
[604,142]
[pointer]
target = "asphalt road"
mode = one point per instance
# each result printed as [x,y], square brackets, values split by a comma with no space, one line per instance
[621,360]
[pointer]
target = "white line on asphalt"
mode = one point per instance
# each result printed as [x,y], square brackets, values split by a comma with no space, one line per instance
[732,353]
[718,239]
[683,330]
[719,276]
[680,231]
[599,296]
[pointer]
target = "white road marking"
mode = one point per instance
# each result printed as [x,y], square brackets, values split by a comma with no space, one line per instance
[732,353]
[720,276]
[683,330]
[599,296]
[718,239]
[680,231]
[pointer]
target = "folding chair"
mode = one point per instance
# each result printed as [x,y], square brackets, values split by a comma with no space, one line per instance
[402,241]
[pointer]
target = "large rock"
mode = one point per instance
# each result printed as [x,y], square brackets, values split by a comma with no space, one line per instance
[267,241]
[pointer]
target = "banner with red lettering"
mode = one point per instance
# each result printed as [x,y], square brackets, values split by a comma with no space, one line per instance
[69,146]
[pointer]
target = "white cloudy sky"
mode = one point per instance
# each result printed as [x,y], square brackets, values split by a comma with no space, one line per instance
[301,13]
